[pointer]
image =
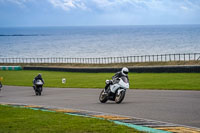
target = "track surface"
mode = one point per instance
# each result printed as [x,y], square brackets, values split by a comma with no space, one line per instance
[179,107]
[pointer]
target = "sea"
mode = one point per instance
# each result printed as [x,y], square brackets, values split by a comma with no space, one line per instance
[98,41]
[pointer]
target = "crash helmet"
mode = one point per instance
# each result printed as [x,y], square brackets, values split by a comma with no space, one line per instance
[39,75]
[125,71]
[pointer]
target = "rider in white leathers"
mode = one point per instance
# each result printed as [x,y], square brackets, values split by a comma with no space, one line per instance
[123,72]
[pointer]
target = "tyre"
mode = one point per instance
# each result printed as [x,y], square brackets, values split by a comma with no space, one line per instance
[103,97]
[39,91]
[119,98]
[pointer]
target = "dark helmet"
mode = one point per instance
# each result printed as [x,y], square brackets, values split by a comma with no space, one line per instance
[39,75]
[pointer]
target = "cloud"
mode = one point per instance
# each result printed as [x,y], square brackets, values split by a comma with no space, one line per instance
[68,4]
[18,2]
[127,5]
[184,8]
[118,5]
[108,12]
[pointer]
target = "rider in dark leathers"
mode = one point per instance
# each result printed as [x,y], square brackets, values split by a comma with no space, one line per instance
[1,78]
[38,77]
[123,72]
[0,85]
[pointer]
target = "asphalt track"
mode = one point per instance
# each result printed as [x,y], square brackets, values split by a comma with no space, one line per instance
[178,107]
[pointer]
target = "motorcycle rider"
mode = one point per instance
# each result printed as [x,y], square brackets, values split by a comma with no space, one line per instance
[38,77]
[0,85]
[1,78]
[123,72]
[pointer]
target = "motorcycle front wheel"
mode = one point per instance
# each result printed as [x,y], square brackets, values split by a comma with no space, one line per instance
[103,97]
[36,93]
[119,98]
[39,91]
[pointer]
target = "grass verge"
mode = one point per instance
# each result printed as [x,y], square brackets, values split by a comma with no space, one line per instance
[173,81]
[21,120]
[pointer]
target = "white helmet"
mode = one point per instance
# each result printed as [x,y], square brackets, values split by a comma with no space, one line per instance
[125,71]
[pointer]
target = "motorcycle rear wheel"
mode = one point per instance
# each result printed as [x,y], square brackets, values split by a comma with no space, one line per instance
[103,98]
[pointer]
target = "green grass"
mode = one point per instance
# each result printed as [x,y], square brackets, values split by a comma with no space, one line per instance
[21,120]
[177,81]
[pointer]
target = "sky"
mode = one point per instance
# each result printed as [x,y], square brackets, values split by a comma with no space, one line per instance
[15,13]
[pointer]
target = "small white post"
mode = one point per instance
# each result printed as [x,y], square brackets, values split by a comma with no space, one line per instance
[63,80]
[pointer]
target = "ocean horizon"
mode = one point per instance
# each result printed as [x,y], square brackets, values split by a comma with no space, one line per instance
[98,41]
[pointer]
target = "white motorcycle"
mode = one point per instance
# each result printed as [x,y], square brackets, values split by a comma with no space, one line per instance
[116,91]
[38,87]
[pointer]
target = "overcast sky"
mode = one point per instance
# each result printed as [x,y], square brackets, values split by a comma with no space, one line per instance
[98,12]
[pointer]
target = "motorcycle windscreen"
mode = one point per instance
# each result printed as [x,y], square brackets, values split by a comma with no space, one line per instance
[125,79]
[39,82]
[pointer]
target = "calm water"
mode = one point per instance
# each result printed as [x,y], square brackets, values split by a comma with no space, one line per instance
[98,41]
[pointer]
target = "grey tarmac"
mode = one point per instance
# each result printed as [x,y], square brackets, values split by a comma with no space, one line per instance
[178,107]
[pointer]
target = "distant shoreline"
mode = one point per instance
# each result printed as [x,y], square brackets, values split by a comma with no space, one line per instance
[61,26]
